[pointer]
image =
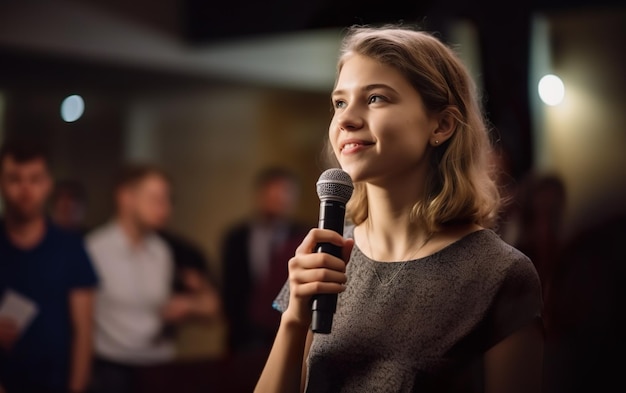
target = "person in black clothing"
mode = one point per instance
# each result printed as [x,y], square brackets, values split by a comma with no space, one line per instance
[46,337]
[255,253]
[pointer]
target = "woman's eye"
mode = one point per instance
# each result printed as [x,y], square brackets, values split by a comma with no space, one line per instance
[375,98]
[339,104]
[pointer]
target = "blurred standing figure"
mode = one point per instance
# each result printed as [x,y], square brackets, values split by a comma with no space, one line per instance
[68,205]
[136,305]
[542,199]
[45,342]
[255,254]
[585,342]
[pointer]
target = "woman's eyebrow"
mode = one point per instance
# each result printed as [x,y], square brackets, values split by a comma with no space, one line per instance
[369,87]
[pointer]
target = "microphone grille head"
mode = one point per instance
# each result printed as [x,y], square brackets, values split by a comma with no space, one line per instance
[335,184]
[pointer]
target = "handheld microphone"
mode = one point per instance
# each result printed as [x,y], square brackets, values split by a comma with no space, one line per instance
[334,189]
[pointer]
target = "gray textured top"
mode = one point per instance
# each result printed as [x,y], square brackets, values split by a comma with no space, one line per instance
[427,329]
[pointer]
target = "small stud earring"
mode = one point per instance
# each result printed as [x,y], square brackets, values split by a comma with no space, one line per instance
[436,142]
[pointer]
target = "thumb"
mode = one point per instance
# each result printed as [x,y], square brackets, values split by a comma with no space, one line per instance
[346,250]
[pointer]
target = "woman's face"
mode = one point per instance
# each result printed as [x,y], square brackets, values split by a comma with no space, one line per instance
[380,129]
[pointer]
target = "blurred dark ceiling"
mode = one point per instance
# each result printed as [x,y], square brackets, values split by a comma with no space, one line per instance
[503,28]
[205,21]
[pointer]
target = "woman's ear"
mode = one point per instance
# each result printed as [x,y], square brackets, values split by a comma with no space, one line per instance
[446,125]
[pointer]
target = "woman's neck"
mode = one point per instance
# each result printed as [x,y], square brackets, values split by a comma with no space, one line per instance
[390,231]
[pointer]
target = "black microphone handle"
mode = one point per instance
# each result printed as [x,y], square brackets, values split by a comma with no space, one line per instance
[332,215]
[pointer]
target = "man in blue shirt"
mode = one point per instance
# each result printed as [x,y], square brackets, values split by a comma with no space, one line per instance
[49,269]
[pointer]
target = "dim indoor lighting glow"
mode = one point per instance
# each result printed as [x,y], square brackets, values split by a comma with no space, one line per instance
[72,108]
[551,90]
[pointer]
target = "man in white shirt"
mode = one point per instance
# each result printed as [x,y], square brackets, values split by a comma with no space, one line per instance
[135,303]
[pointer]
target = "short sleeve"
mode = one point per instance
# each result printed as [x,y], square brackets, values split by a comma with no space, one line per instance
[518,300]
[282,299]
[82,272]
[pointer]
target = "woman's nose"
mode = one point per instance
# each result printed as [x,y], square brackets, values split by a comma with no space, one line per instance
[350,119]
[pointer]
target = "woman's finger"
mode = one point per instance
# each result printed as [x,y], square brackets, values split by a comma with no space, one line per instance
[346,250]
[304,276]
[316,236]
[317,261]
[317,287]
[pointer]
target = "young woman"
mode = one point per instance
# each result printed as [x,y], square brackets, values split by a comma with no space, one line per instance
[430,298]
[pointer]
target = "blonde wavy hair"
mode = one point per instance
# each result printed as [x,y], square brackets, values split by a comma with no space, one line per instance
[461,185]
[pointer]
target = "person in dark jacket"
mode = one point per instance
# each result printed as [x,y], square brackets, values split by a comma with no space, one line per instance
[255,253]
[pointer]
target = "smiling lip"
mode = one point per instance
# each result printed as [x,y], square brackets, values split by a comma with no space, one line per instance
[354,146]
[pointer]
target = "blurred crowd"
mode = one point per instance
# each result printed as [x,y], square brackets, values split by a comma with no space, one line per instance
[94,309]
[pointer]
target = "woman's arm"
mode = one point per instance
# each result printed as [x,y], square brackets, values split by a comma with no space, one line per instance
[307,347]
[309,274]
[284,367]
[515,364]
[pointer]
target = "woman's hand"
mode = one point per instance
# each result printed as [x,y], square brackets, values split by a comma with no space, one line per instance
[312,273]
